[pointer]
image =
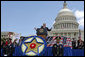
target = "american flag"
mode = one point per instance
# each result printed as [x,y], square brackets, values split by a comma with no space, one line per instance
[53,41]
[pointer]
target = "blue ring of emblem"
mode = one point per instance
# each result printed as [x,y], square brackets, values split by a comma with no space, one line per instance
[34,37]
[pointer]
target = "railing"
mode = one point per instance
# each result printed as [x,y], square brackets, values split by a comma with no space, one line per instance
[48,52]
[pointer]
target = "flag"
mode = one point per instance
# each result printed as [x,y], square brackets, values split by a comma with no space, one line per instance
[67,44]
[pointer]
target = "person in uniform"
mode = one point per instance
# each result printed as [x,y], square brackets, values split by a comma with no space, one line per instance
[61,49]
[74,43]
[54,50]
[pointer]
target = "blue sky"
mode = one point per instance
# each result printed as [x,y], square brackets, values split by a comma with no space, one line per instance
[23,16]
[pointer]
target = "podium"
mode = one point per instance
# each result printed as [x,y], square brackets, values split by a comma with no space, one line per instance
[43,36]
[41,32]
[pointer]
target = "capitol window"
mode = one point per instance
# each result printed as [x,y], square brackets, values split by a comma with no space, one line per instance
[72,25]
[65,25]
[72,19]
[75,34]
[63,18]
[66,18]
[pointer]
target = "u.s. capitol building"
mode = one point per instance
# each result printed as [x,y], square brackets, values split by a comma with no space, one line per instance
[66,24]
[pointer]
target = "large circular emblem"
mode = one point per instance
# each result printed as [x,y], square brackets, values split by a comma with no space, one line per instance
[33,46]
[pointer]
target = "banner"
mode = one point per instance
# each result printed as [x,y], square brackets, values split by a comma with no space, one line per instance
[17,36]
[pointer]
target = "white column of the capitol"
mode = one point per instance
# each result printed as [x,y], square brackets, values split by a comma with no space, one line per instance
[64,6]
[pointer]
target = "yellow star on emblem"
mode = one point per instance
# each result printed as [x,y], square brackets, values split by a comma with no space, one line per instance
[33,46]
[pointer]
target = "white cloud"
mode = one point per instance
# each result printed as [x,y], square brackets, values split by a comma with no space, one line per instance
[80,17]
[81,21]
[79,14]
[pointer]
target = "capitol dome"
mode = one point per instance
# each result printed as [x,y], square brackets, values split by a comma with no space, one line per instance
[65,19]
[65,11]
[65,24]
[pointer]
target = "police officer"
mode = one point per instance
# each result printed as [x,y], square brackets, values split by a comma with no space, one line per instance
[54,50]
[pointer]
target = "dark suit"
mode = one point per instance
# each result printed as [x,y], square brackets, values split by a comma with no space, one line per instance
[74,44]
[54,50]
[46,29]
[60,51]
[42,32]
[80,45]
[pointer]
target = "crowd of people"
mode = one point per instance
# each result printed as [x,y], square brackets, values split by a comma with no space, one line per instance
[58,49]
[8,46]
[77,44]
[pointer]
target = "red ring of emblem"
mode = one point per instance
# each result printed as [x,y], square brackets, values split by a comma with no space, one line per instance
[32,45]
